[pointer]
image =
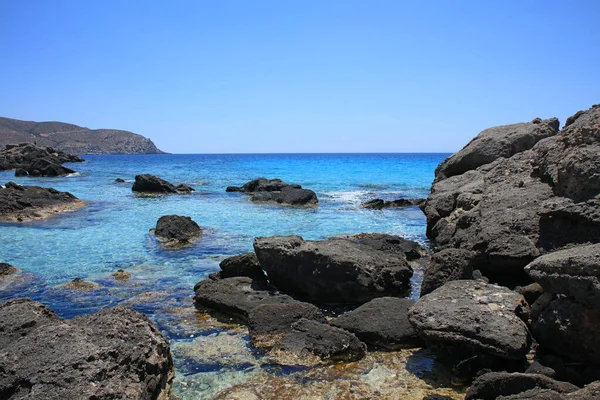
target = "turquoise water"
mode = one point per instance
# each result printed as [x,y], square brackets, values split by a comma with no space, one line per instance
[112,231]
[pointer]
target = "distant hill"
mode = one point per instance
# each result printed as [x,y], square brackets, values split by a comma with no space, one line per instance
[74,139]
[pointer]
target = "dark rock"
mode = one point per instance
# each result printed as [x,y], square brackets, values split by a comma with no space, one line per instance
[531,292]
[493,384]
[464,320]
[391,243]
[177,229]
[24,203]
[381,322]
[535,394]
[47,357]
[437,397]
[540,304]
[153,184]
[122,275]
[23,156]
[236,296]
[591,391]
[538,368]
[493,143]
[310,339]
[379,204]
[331,271]
[7,269]
[570,223]
[45,167]
[268,323]
[569,329]
[276,190]
[241,265]
[445,266]
[120,180]
[20,172]
[574,272]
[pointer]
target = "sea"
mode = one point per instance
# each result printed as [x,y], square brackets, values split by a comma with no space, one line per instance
[112,232]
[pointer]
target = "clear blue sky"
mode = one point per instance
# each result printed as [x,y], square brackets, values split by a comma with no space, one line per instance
[299,75]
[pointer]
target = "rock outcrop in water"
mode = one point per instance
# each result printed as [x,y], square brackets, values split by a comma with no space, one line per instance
[116,353]
[29,159]
[25,203]
[277,191]
[74,139]
[176,230]
[147,183]
[380,204]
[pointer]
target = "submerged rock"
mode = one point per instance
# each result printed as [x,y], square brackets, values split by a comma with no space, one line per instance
[176,229]
[380,204]
[153,184]
[80,284]
[114,353]
[7,269]
[122,275]
[381,322]
[25,203]
[331,271]
[276,190]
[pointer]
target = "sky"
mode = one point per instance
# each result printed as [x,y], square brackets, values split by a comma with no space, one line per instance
[293,76]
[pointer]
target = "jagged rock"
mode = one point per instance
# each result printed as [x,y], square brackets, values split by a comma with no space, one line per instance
[177,229]
[391,243]
[472,325]
[493,143]
[310,342]
[331,271]
[276,190]
[494,384]
[153,184]
[43,356]
[380,204]
[381,322]
[445,266]
[236,296]
[45,167]
[268,323]
[574,272]
[25,203]
[569,329]
[23,156]
[241,265]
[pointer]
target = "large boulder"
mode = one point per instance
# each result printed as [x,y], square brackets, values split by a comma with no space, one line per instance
[25,203]
[391,243]
[569,329]
[277,191]
[147,183]
[236,296]
[45,167]
[445,266]
[574,272]
[25,155]
[511,210]
[493,143]
[494,384]
[241,265]
[113,354]
[381,322]
[331,271]
[471,321]
[177,229]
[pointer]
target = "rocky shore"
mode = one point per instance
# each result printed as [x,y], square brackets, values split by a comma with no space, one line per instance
[29,159]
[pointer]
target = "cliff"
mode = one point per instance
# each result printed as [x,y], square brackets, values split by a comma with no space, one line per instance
[74,139]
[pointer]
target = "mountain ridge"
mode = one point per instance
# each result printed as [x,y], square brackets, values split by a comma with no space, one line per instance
[75,139]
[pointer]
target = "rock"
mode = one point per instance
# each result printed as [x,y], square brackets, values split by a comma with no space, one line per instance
[80,284]
[531,292]
[381,322]
[236,296]
[512,210]
[23,156]
[119,180]
[574,272]
[538,368]
[7,269]
[47,357]
[20,172]
[464,320]
[493,143]
[45,167]
[331,271]
[311,341]
[569,329]
[534,394]
[379,204]
[591,391]
[276,190]
[25,203]
[437,397]
[153,184]
[391,243]
[122,275]
[268,323]
[493,384]
[177,229]
[241,265]
[445,266]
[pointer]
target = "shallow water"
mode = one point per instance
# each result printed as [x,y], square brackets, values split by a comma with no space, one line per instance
[111,233]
